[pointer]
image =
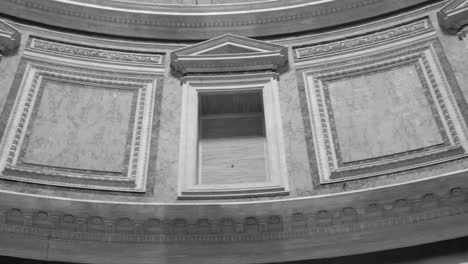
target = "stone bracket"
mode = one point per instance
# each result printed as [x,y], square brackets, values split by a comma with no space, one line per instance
[10,38]
[453,16]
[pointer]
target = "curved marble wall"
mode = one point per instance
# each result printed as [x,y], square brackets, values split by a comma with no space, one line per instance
[373,135]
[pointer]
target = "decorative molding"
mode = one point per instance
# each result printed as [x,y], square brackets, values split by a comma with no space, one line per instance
[331,167]
[10,38]
[297,224]
[364,42]
[276,183]
[235,60]
[132,178]
[98,54]
[453,16]
[248,55]
[409,45]
[201,21]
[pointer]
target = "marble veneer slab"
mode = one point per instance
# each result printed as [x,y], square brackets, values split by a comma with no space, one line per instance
[381,110]
[75,122]
[79,127]
[371,111]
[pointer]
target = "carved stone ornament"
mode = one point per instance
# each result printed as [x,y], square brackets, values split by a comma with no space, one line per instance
[10,38]
[453,16]
[229,53]
[48,46]
[172,19]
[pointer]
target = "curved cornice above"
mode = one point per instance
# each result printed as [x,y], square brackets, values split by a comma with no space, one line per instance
[144,19]
[10,38]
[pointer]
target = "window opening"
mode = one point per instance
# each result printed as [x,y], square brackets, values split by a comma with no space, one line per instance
[232,138]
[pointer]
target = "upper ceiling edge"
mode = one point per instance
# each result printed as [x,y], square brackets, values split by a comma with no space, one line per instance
[145,19]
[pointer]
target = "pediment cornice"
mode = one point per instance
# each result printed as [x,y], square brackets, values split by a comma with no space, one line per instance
[229,53]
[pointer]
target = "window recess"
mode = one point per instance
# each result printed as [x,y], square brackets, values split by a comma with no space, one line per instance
[232,142]
[231,135]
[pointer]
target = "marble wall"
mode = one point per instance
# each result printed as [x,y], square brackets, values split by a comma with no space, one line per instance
[369,112]
[372,120]
[74,123]
[382,114]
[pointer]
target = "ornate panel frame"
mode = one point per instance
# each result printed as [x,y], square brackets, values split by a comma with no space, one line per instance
[86,53]
[328,152]
[276,183]
[374,39]
[68,63]
[415,45]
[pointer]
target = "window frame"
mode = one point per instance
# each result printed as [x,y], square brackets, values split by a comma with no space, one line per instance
[193,86]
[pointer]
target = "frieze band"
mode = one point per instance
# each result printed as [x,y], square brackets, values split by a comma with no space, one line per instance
[100,54]
[228,230]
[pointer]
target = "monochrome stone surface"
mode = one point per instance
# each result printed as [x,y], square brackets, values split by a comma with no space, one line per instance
[75,122]
[247,131]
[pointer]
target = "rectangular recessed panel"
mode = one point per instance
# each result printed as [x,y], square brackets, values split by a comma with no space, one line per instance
[381,114]
[233,160]
[80,127]
[232,138]
[232,126]
[231,103]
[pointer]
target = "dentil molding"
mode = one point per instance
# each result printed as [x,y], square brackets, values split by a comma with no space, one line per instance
[197,22]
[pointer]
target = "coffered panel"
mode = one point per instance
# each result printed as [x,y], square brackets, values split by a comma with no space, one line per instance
[371,110]
[382,110]
[80,124]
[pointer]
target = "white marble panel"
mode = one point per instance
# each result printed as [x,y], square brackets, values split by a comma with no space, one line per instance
[80,127]
[233,160]
[381,114]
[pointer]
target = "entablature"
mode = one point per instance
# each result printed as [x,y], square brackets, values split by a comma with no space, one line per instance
[143,19]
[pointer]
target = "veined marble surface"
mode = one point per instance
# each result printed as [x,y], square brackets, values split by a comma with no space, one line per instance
[382,114]
[233,160]
[75,123]
[163,160]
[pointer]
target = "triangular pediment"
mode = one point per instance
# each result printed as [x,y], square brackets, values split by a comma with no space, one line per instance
[227,48]
[229,53]
[228,44]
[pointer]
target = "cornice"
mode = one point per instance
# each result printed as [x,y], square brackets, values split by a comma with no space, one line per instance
[280,226]
[205,57]
[453,16]
[200,22]
[378,216]
[10,38]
